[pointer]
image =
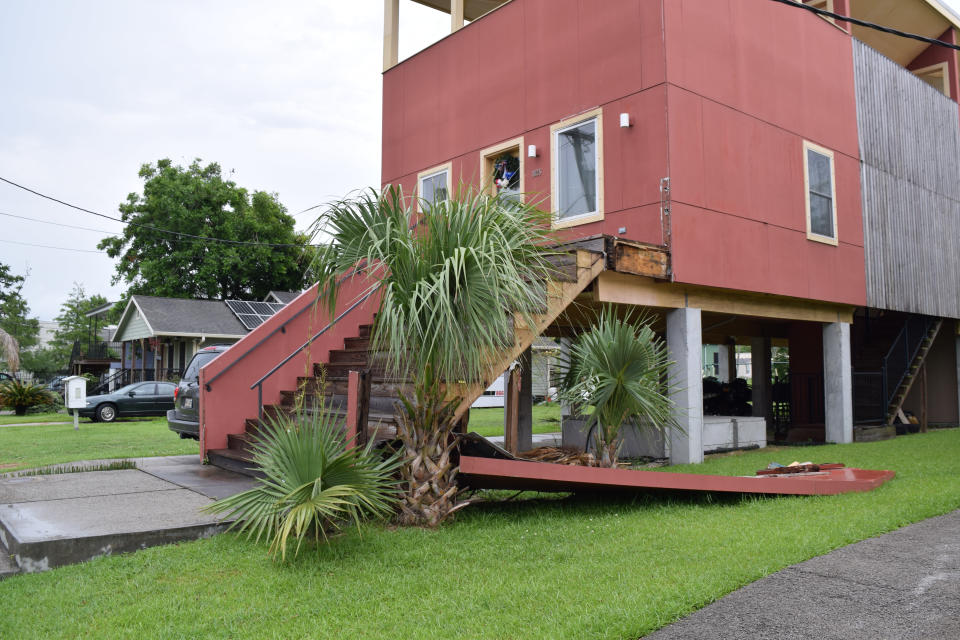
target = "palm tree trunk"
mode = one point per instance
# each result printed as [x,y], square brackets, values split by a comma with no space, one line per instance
[428,474]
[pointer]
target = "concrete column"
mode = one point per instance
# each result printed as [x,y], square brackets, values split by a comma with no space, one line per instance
[760,377]
[837,382]
[391,28]
[684,343]
[525,410]
[724,355]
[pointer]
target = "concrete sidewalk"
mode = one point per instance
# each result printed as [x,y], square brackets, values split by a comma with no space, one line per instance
[53,520]
[905,584]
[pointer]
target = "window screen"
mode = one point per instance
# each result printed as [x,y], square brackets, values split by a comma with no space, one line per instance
[577,170]
[820,178]
[433,188]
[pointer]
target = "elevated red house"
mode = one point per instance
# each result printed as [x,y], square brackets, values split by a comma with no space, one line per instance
[749,171]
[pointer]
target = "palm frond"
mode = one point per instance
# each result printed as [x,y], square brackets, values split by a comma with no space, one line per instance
[10,351]
[313,483]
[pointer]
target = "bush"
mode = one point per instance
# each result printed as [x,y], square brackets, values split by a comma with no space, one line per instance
[54,406]
[314,484]
[20,396]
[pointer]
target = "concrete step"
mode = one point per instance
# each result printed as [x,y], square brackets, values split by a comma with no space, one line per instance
[8,564]
[233,460]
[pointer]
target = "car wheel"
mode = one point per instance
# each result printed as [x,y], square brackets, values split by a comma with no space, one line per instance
[106,413]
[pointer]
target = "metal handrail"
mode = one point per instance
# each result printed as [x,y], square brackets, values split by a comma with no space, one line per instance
[909,354]
[258,385]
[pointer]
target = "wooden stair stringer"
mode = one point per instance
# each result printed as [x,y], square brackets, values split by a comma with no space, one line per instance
[559,296]
[904,390]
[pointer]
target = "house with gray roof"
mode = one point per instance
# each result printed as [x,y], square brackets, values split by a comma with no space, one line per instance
[158,336]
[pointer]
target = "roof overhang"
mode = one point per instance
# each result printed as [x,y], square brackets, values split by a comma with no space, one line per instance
[472,9]
[929,18]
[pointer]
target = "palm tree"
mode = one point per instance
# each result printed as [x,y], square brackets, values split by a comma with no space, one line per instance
[10,351]
[451,274]
[618,367]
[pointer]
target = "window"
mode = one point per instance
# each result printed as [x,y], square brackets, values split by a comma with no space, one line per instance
[501,168]
[577,170]
[434,185]
[821,195]
[936,76]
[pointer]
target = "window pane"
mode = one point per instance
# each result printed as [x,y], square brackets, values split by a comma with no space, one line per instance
[821,215]
[577,170]
[434,188]
[818,166]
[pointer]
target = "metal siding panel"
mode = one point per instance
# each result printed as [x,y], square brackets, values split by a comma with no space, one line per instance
[910,154]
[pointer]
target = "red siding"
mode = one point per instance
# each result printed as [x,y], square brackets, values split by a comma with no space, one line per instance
[749,81]
[721,94]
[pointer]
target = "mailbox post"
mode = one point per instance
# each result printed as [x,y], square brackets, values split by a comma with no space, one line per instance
[75,396]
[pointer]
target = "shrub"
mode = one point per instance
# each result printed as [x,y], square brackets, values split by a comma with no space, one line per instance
[314,483]
[20,396]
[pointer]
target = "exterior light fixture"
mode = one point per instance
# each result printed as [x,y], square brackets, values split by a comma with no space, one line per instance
[624,120]
[532,151]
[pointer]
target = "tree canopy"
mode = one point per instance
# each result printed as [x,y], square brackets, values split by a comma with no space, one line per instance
[14,310]
[198,201]
[73,322]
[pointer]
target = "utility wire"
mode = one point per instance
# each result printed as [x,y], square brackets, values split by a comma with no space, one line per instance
[868,25]
[46,246]
[57,224]
[179,234]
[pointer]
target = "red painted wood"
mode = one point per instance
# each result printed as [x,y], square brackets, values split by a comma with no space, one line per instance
[230,401]
[517,474]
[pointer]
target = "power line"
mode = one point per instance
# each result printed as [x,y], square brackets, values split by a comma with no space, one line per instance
[57,224]
[868,25]
[179,234]
[46,246]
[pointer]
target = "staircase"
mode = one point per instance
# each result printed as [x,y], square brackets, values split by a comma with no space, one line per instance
[329,386]
[887,358]
[910,374]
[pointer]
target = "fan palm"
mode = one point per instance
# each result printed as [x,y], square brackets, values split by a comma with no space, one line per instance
[618,367]
[451,274]
[313,483]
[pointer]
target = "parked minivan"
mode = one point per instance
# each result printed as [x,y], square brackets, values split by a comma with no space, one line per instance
[184,418]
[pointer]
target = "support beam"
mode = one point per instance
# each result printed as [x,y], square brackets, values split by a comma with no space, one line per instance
[511,406]
[391,35]
[456,15]
[837,382]
[726,362]
[761,382]
[525,405]
[684,344]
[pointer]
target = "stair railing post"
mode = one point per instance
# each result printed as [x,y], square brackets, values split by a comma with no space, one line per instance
[260,401]
[353,406]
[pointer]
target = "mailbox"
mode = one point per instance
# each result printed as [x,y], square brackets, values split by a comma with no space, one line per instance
[75,392]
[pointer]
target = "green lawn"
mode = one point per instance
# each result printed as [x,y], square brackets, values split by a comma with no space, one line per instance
[558,567]
[489,422]
[27,447]
[39,417]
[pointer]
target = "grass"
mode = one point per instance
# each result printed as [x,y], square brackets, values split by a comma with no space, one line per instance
[39,417]
[558,567]
[27,447]
[489,422]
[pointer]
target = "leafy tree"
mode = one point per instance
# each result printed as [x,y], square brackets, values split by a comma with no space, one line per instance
[73,322]
[14,310]
[450,290]
[196,200]
[44,363]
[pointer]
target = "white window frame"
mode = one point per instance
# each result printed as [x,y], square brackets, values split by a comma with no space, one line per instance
[807,148]
[555,131]
[432,172]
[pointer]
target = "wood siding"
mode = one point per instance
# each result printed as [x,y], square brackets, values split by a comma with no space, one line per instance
[910,177]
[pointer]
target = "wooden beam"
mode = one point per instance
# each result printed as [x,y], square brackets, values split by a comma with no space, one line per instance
[622,288]
[456,16]
[511,413]
[391,28]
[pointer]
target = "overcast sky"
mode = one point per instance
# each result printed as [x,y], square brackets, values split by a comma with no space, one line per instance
[284,94]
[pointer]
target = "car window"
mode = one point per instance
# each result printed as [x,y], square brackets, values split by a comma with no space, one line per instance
[202,358]
[165,389]
[148,389]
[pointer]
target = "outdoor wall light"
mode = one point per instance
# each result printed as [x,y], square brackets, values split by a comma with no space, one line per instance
[532,151]
[624,120]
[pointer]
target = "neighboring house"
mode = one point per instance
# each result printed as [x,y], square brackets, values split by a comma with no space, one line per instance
[158,336]
[48,331]
[741,169]
[96,353]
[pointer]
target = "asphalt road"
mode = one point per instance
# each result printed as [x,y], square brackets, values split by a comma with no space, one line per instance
[905,584]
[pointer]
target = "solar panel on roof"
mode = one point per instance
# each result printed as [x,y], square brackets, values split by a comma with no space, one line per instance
[252,314]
